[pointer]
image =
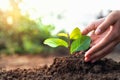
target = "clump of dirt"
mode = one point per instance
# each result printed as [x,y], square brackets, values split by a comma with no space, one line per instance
[70,67]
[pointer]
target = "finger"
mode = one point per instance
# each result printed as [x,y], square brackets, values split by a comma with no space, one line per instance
[109,20]
[93,35]
[92,26]
[93,43]
[94,39]
[103,52]
[105,41]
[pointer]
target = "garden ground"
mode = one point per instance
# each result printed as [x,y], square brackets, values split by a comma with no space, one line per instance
[71,67]
[33,61]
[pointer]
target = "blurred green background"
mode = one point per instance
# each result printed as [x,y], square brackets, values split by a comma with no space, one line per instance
[20,34]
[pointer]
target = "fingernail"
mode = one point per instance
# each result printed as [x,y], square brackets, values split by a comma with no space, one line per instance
[86,59]
[97,31]
[87,55]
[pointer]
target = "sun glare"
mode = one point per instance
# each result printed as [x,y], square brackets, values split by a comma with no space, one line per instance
[10,20]
[4,5]
[74,12]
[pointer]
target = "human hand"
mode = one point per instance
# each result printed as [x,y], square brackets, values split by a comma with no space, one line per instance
[105,37]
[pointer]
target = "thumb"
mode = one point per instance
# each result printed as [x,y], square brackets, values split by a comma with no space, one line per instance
[109,20]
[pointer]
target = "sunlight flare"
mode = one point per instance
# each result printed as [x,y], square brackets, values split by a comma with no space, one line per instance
[10,20]
[5,5]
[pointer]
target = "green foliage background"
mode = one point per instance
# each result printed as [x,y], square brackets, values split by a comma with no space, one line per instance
[23,35]
[26,36]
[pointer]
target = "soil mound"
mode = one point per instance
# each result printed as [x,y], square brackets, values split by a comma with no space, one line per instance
[70,67]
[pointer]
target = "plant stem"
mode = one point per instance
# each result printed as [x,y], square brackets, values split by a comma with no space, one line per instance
[69,44]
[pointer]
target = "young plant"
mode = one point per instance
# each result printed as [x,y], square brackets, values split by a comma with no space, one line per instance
[75,41]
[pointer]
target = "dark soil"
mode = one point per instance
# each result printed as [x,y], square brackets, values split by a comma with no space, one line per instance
[71,67]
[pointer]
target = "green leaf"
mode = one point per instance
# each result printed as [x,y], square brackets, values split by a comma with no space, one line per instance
[80,44]
[55,42]
[63,34]
[76,33]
